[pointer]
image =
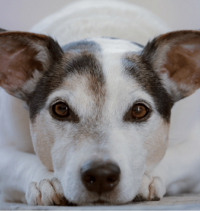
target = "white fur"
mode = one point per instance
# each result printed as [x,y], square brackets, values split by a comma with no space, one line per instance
[116,140]
[21,167]
[29,86]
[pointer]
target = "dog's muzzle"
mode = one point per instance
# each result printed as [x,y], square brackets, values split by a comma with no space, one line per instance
[100,177]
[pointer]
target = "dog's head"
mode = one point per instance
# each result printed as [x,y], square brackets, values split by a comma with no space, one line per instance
[100,108]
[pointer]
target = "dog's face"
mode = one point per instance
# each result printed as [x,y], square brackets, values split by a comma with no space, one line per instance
[100,109]
[99,112]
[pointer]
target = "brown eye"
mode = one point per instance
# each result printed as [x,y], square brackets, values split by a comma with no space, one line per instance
[139,111]
[60,109]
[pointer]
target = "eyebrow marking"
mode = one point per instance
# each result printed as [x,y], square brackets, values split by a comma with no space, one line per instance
[79,58]
[149,81]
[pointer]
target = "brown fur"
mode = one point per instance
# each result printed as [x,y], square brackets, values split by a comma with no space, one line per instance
[176,54]
[20,56]
[187,62]
[17,63]
[42,141]
[156,145]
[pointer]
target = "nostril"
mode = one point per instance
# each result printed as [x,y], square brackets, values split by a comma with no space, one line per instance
[89,178]
[100,176]
[112,179]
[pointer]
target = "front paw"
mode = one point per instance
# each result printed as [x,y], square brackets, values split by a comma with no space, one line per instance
[46,192]
[151,189]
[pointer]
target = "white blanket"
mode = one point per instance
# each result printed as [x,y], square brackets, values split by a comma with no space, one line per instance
[94,18]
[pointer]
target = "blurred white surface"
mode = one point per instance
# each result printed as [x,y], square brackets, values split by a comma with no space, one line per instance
[23,14]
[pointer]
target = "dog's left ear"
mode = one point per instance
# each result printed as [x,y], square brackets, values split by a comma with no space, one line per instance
[24,57]
[175,57]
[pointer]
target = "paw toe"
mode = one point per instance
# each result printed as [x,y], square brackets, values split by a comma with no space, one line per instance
[46,192]
[33,195]
[152,189]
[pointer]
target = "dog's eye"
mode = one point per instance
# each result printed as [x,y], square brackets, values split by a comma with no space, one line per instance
[139,111]
[60,109]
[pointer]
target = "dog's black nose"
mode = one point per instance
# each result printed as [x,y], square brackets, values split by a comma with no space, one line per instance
[100,177]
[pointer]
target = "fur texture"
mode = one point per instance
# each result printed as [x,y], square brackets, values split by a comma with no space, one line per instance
[100,79]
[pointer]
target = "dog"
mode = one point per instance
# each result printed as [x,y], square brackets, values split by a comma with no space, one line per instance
[89,122]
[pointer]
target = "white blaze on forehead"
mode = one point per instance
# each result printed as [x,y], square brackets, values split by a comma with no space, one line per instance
[112,53]
[121,88]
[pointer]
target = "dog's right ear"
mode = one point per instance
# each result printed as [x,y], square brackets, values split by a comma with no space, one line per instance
[24,57]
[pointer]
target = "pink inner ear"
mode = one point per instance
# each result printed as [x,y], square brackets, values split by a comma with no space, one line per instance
[183,65]
[17,64]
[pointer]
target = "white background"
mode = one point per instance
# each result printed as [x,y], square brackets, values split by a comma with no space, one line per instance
[23,14]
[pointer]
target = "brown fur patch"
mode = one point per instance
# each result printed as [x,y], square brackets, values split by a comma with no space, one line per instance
[17,64]
[177,55]
[79,63]
[78,73]
[156,145]
[183,64]
[84,70]
[20,57]
[42,142]
[141,71]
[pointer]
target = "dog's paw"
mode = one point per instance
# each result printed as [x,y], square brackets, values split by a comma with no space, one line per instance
[151,189]
[46,192]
